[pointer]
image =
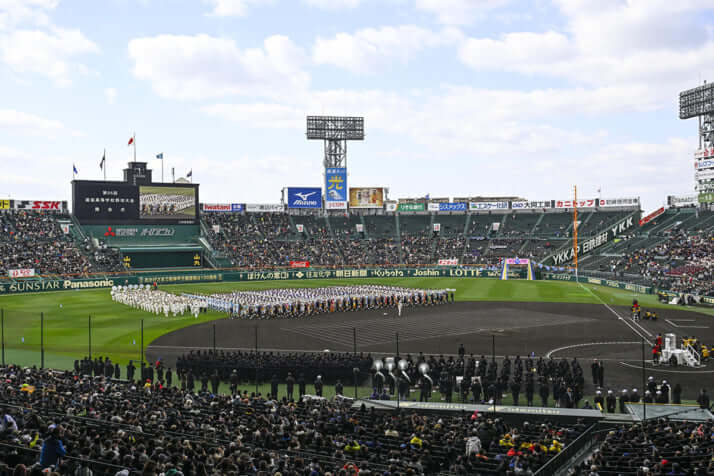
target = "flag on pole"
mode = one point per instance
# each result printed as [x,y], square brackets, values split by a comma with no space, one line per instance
[131,140]
[74,169]
[190,173]
[104,159]
[160,156]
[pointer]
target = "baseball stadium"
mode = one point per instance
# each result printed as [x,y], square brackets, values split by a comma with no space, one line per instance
[147,331]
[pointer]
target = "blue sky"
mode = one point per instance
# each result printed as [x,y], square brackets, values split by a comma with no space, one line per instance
[460,97]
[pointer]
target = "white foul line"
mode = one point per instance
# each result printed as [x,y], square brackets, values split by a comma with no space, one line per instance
[620,317]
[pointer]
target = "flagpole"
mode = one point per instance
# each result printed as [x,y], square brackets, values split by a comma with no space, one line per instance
[162,167]
[134,144]
[105,164]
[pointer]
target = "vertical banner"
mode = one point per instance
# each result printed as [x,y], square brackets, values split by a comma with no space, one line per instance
[336,188]
[437,227]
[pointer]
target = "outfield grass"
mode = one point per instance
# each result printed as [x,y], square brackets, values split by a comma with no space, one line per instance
[116,329]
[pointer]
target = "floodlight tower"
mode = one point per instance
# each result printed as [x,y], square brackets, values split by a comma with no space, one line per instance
[699,103]
[335,131]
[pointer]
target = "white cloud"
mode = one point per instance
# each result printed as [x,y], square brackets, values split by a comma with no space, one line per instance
[44,49]
[28,123]
[458,12]
[111,95]
[230,8]
[333,4]
[370,49]
[260,114]
[13,12]
[202,66]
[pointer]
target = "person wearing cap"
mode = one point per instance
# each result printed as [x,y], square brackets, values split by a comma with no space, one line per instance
[648,397]
[634,396]
[624,398]
[599,400]
[651,385]
[664,388]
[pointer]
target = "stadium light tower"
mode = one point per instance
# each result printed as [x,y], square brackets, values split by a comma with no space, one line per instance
[699,102]
[335,131]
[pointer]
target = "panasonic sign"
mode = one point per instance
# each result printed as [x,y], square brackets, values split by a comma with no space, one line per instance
[304,197]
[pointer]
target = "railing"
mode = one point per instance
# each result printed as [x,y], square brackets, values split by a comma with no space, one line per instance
[693,354]
[570,453]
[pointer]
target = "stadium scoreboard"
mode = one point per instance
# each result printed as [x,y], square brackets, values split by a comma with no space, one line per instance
[126,203]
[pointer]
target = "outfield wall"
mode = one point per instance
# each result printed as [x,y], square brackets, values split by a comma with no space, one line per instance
[33,285]
[178,277]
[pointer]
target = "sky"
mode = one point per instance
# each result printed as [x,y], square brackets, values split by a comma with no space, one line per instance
[460,97]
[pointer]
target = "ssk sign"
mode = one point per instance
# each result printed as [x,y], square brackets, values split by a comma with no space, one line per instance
[39,205]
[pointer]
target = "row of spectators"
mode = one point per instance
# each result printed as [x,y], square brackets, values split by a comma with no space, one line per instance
[682,262]
[75,424]
[35,240]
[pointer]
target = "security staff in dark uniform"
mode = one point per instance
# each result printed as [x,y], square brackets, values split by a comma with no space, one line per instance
[624,398]
[529,389]
[169,377]
[234,381]
[544,392]
[301,384]
[274,387]
[515,391]
[611,401]
[318,386]
[424,389]
[476,390]
[215,381]
[130,371]
[289,385]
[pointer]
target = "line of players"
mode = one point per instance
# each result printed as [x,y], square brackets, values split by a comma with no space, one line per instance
[305,302]
[157,302]
[161,204]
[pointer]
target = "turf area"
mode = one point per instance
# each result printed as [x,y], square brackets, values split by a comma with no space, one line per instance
[116,329]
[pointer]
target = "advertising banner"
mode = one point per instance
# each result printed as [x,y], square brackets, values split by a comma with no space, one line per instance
[704,174]
[216,207]
[706,197]
[47,205]
[618,202]
[21,273]
[5,204]
[488,206]
[237,207]
[453,207]
[519,205]
[336,188]
[299,227]
[299,264]
[703,164]
[216,229]
[682,200]
[359,227]
[652,216]
[517,261]
[304,197]
[391,207]
[449,262]
[584,203]
[437,227]
[703,153]
[432,207]
[264,208]
[411,207]
[65,228]
[584,247]
[363,197]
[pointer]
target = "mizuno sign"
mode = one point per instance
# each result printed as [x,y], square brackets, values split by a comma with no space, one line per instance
[304,197]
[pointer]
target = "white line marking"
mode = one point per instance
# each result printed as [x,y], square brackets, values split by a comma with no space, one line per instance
[554,351]
[655,369]
[619,316]
[685,327]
